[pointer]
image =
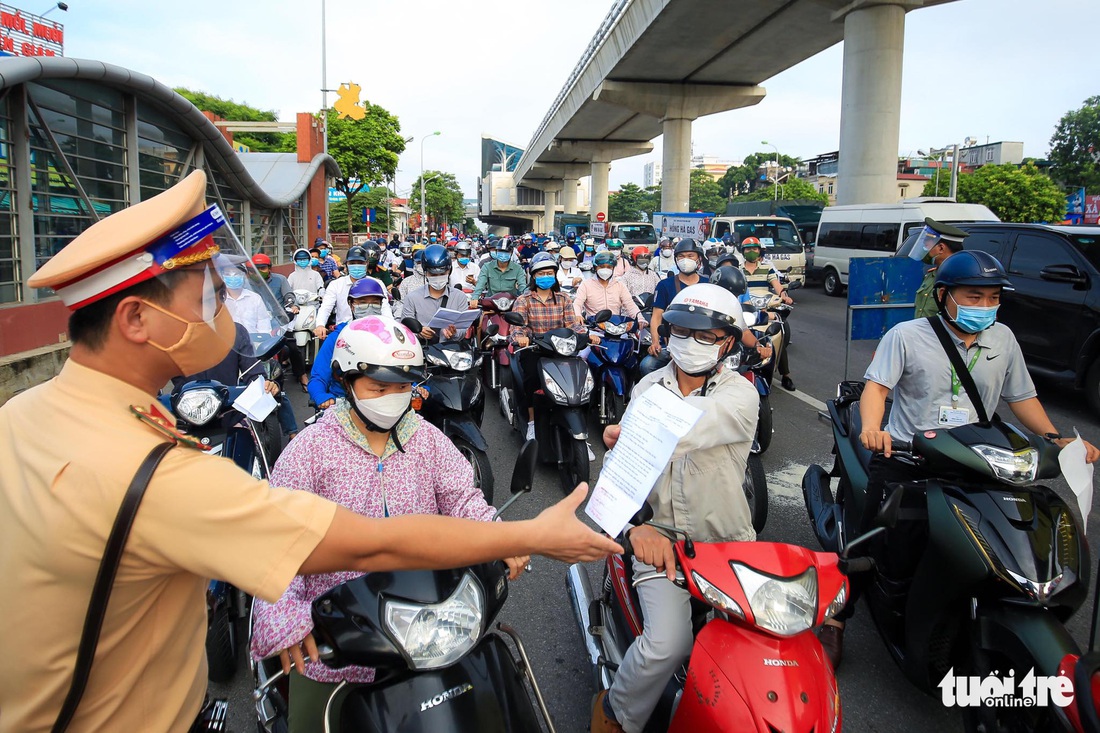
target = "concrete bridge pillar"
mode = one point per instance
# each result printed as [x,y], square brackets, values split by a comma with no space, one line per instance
[677,106]
[569,195]
[870,111]
[550,205]
[600,171]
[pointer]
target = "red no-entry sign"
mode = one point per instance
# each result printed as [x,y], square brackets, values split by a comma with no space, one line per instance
[600,216]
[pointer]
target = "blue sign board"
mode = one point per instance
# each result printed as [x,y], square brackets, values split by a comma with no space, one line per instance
[884,282]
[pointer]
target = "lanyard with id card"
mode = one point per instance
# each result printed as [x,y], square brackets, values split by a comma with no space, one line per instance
[953,415]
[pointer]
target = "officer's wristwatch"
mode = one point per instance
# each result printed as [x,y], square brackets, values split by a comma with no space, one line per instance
[1052,436]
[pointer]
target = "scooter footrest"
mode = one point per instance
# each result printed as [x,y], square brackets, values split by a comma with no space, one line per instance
[601,662]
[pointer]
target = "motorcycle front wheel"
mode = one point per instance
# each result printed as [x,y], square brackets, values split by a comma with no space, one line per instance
[764,425]
[755,486]
[483,471]
[221,646]
[574,467]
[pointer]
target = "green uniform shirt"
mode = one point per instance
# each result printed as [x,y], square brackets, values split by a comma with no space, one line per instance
[379,273]
[925,302]
[491,280]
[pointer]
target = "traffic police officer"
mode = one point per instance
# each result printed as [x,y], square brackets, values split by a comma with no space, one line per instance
[937,242]
[146,302]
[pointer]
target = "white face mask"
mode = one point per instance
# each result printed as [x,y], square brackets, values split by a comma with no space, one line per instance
[666,253]
[687,265]
[605,273]
[568,264]
[438,281]
[386,410]
[693,357]
[643,265]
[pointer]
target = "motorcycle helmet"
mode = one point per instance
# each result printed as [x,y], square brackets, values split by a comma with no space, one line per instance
[971,267]
[502,245]
[463,249]
[567,253]
[406,249]
[436,260]
[687,245]
[731,278]
[706,306]
[374,252]
[302,254]
[356,254]
[641,254]
[368,287]
[543,261]
[615,245]
[380,348]
[750,242]
[571,237]
[262,259]
[605,258]
[553,246]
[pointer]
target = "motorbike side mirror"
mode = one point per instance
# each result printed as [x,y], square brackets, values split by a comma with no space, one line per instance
[664,331]
[603,316]
[492,329]
[523,474]
[646,300]
[412,324]
[773,329]
[395,294]
[514,319]
[795,285]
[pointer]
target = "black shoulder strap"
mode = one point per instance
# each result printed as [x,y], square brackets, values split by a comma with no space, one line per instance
[965,378]
[105,578]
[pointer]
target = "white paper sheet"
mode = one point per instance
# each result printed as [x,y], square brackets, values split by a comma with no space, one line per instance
[255,402]
[1078,475]
[651,428]
[461,320]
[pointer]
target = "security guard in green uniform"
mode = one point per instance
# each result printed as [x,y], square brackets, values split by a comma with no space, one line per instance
[937,242]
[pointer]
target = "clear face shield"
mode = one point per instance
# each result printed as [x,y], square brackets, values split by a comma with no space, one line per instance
[209,272]
[927,239]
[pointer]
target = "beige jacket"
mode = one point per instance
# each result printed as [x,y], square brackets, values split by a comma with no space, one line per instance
[700,491]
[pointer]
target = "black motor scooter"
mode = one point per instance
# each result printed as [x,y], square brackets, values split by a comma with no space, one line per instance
[561,402]
[441,663]
[985,567]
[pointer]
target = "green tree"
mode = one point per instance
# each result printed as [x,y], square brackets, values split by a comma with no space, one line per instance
[790,188]
[704,194]
[366,150]
[1020,194]
[744,179]
[260,142]
[1075,147]
[442,198]
[372,199]
[629,203]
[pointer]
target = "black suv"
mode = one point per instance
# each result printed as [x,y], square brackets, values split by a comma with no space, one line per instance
[1054,307]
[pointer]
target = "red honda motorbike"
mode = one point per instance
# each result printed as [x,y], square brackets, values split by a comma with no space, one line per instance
[495,372]
[756,664]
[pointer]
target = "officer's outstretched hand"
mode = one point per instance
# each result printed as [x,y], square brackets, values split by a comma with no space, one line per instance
[876,441]
[562,536]
[653,548]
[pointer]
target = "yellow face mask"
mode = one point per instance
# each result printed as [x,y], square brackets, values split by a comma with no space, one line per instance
[203,345]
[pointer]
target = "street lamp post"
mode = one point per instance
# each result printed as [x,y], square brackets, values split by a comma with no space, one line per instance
[422,141]
[765,142]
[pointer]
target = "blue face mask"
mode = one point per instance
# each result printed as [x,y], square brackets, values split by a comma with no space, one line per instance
[314,262]
[234,282]
[589,249]
[357,271]
[502,256]
[324,253]
[545,282]
[463,261]
[974,319]
[302,263]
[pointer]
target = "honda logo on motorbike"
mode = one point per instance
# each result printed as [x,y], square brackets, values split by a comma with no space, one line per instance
[780,663]
[445,696]
[1005,692]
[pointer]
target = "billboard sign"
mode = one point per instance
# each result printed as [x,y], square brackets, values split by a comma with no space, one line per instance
[1092,210]
[695,225]
[22,34]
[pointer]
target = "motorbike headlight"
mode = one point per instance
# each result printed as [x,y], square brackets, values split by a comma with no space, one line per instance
[733,360]
[554,388]
[437,360]
[460,360]
[589,385]
[498,340]
[1017,467]
[784,606]
[504,304]
[615,329]
[715,597]
[438,634]
[198,406]
[838,603]
[760,301]
[564,345]
[310,322]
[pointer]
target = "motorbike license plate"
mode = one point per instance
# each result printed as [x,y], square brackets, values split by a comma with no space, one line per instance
[779,257]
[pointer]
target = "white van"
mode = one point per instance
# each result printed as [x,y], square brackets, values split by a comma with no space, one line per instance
[780,242]
[877,230]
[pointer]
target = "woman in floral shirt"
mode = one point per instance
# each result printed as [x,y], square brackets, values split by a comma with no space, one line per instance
[371,454]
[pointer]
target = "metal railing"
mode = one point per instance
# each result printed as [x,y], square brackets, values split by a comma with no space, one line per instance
[608,24]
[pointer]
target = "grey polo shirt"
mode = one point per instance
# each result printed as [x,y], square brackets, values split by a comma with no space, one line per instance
[911,362]
[420,305]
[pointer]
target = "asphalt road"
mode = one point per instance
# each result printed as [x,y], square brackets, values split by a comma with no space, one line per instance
[874,693]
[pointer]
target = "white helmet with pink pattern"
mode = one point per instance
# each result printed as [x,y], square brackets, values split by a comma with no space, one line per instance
[380,348]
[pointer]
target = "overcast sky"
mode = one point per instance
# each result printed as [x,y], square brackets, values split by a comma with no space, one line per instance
[996,69]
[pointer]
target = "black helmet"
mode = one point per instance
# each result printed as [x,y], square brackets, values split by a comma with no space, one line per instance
[731,278]
[356,254]
[971,267]
[728,258]
[437,261]
[373,252]
[688,245]
[504,244]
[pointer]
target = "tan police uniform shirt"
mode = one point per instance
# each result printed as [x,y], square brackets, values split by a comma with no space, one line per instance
[68,450]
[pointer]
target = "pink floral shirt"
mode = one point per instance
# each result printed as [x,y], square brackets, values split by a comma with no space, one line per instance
[332,458]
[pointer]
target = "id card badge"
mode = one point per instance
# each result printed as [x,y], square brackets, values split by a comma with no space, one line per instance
[951,417]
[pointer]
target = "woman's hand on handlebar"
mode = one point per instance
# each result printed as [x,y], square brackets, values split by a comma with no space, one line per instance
[653,548]
[294,654]
[516,565]
[877,441]
[522,341]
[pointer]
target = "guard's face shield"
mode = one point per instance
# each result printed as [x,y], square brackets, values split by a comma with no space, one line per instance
[926,240]
[219,274]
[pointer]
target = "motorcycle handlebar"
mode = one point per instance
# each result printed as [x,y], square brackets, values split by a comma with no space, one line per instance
[856,565]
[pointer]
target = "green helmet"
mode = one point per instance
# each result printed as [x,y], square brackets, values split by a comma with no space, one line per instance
[616,244]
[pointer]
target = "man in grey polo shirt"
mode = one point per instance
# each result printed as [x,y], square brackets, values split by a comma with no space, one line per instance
[423,302]
[928,395]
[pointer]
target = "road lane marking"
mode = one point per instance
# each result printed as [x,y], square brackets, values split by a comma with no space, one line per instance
[800,395]
[785,485]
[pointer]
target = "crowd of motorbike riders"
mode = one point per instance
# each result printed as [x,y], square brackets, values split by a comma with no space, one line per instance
[685,307]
